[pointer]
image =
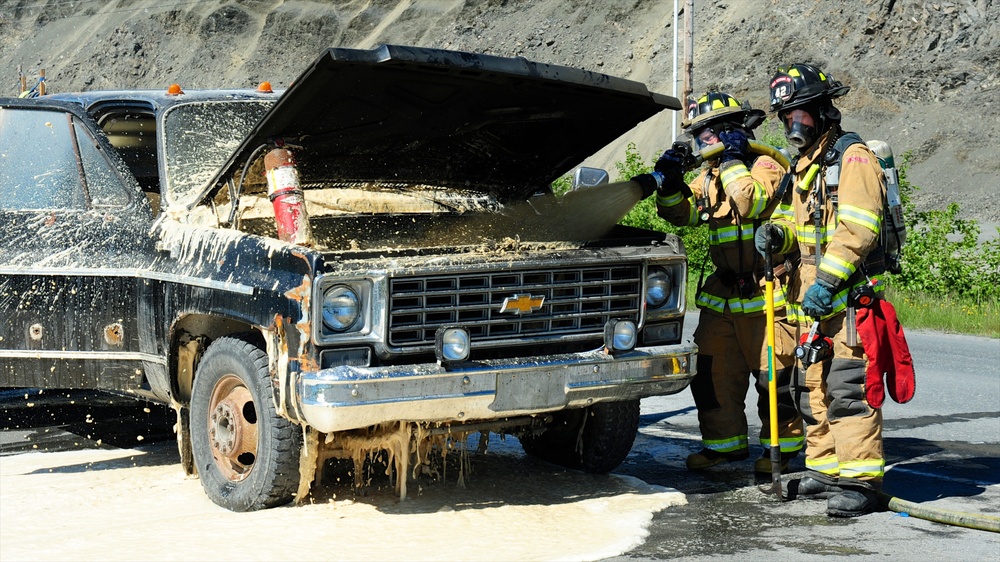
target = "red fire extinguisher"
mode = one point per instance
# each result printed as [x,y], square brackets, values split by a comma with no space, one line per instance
[286,195]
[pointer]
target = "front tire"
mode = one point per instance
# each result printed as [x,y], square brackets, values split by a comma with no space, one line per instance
[595,439]
[247,456]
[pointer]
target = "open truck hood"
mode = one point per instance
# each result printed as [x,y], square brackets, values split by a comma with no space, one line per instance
[506,126]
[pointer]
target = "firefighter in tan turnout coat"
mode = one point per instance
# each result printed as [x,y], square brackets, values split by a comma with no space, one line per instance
[733,195]
[834,222]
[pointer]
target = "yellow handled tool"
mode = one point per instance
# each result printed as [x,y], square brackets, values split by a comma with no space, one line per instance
[772,382]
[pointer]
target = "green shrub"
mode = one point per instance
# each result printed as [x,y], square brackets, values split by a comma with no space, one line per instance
[942,255]
[562,185]
[772,132]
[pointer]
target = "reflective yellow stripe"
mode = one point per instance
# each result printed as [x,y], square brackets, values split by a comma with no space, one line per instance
[693,218]
[726,445]
[784,211]
[710,302]
[741,306]
[670,200]
[837,267]
[859,216]
[794,314]
[871,468]
[789,240]
[825,465]
[748,305]
[786,444]
[733,173]
[760,200]
[808,232]
[729,234]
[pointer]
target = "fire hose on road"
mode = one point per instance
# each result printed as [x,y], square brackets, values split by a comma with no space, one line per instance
[912,509]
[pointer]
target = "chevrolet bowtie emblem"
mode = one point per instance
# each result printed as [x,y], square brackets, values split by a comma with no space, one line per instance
[521,304]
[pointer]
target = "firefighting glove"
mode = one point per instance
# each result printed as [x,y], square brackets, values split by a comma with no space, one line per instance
[671,165]
[769,238]
[648,182]
[737,145]
[818,300]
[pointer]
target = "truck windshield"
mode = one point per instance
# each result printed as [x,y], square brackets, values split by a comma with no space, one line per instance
[198,139]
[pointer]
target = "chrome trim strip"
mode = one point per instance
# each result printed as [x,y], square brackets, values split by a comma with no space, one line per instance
[84,355]
[131,272]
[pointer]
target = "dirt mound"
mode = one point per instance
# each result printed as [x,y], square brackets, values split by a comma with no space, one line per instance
[924,75]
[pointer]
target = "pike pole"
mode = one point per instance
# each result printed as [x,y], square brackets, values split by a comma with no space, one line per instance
[772,382]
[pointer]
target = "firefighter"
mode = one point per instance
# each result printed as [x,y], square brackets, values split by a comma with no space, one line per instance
[833,220]
[733,195]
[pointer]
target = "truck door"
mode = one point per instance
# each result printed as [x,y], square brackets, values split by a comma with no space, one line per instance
[73,230]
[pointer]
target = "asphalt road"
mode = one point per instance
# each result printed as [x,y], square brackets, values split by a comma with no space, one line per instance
[943,450]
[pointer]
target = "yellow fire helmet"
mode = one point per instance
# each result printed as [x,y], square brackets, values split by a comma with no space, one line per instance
[719,107]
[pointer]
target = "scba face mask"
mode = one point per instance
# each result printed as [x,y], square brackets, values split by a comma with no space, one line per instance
[800,128]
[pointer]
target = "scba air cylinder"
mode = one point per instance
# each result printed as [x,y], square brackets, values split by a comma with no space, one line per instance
[285,193]
[894,221]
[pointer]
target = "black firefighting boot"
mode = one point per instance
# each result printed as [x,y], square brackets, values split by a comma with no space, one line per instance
[707,457]
[858,498]
[812,486]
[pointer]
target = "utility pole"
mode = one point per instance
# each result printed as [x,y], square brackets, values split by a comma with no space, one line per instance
[688,49]
[673,121]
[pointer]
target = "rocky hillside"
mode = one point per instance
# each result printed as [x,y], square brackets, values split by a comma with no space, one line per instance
[924,75]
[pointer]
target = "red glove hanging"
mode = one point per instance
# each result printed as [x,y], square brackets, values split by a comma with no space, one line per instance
[888,353]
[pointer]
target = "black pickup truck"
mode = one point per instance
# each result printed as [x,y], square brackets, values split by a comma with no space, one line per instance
[371,260]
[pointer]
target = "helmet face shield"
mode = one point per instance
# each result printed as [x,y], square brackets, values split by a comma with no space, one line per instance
[705,137]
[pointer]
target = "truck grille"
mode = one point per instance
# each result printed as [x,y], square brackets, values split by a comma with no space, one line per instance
[578,300]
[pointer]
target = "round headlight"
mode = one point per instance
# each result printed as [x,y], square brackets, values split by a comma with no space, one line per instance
[624,335]
[340,308]
[658,287]
[454,344]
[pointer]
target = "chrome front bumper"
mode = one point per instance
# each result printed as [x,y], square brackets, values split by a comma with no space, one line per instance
[346,397]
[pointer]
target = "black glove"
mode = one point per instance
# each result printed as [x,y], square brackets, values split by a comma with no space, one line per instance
[768,239]
[647,182]
[671,165]
[737,145]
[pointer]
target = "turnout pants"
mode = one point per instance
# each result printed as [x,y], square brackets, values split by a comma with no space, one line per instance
[731,349]
[843,433]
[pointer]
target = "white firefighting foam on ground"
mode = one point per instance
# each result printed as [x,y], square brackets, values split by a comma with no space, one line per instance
[137,505]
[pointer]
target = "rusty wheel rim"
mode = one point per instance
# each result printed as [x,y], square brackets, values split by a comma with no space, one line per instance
[232,428]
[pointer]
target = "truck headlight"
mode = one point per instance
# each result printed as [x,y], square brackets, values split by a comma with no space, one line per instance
[620,335]
[658,287]
[451,345]
[341,308]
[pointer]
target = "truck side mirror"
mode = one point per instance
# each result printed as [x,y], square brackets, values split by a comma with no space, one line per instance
[589,177]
